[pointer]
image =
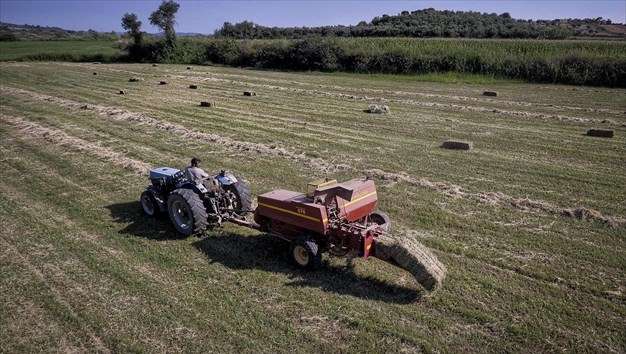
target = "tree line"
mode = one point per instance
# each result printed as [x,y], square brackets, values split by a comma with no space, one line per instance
[420,24]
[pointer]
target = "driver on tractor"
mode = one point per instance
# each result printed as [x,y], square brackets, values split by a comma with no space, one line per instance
[194,173]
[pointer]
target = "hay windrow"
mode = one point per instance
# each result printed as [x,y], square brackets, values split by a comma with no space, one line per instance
[60,138]
[119,114]
[500,199]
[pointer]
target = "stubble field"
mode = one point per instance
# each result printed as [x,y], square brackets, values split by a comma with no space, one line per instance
[530,223]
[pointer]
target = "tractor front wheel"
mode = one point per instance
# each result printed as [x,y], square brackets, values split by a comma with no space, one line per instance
[187,212]
[305,254]
[149,204]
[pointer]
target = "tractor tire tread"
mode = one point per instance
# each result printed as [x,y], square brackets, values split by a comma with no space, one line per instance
[198,210]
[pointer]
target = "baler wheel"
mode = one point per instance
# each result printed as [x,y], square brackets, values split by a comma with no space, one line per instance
[148,204]
[382,219]
[187,212]
[305,254]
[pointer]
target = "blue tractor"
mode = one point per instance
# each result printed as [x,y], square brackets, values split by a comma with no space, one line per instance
[194,207]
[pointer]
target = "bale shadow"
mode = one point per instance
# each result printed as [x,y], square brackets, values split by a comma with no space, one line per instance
[141,225]
[267,253]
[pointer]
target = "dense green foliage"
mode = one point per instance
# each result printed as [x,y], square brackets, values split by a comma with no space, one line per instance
[427,23]
[79,50]
[569,62]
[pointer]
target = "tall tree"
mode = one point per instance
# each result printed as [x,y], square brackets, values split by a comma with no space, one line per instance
[163,17]
[133,26]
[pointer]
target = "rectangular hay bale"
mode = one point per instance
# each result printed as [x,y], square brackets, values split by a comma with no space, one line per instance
[457,145]
[601,133]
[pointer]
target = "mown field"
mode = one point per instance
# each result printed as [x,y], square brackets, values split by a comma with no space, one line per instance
[530,223]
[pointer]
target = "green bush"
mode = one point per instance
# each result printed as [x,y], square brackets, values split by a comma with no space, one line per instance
[585,63]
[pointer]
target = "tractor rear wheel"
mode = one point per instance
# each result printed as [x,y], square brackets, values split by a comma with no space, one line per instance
[305,253]
[187,212]
[241,190]
[149,204]
[382,219]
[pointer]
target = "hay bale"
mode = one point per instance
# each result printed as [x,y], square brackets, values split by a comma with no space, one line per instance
[377,109]
[133,79]
[249,93]
[413,257]
[457,145]
[193,87]
[162,82]
[207,104]
[601,133]
[122,92]
[490,93]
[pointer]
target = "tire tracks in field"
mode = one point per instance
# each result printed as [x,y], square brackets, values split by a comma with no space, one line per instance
[321,165]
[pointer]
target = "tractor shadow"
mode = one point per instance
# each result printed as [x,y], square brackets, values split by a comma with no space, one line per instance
[269,254]
[141,225]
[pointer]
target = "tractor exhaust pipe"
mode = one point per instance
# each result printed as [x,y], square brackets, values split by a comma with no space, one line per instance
[413,257]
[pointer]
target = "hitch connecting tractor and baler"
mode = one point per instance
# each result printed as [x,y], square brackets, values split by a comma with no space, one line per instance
[338,218]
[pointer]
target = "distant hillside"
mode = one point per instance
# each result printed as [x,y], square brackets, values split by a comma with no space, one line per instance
[435,23]
[13,32]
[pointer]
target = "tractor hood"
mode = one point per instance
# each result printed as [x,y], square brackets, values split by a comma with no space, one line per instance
[163,172]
